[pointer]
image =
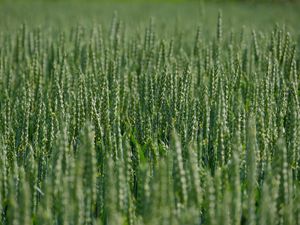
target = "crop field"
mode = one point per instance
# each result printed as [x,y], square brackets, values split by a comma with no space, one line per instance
[184,113]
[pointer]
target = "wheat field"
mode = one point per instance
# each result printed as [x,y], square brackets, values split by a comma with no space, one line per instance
[175,118]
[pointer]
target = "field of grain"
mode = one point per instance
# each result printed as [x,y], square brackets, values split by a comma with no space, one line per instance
[149,114]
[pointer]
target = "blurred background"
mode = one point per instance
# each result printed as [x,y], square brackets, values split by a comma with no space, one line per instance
[186,14]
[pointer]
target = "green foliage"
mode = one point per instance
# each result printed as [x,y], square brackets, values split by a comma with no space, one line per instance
[108,126]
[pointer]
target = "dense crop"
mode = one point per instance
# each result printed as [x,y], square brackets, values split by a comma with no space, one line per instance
[115,128]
